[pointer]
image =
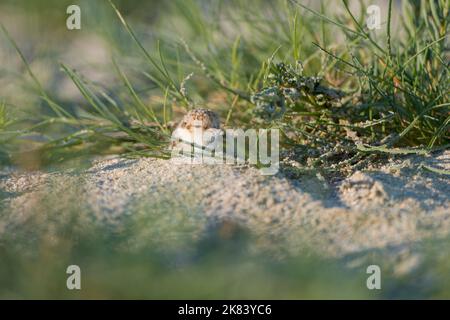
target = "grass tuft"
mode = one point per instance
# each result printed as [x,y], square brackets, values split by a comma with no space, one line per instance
[335,101]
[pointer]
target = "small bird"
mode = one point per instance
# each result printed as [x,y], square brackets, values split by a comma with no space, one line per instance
[199,127]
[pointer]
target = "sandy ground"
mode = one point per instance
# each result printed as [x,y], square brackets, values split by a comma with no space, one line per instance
[389,208]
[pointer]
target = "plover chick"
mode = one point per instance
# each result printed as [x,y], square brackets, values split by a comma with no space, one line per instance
[200,127]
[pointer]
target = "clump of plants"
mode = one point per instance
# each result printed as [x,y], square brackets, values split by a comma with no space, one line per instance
[287,87]
[348,101]
[400,105]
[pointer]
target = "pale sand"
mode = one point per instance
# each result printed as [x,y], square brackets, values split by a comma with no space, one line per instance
[395,206]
